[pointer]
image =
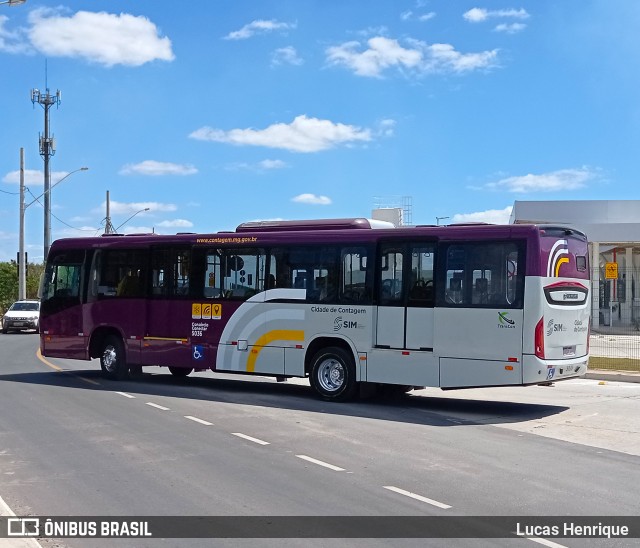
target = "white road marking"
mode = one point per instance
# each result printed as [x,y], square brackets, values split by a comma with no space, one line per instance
[125,394]
[21,542]
[158,406]
[546,542]
[321,463]
[196,419]
[254,440]
[417,497]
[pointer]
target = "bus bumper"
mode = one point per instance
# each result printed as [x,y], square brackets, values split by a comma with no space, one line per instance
[535,370]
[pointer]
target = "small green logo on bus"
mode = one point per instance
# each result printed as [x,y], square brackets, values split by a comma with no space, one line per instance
[504,322]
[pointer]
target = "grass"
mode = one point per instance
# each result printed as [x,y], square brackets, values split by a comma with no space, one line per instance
[619,364]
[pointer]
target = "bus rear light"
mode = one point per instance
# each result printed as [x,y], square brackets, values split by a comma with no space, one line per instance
[513,359]
[539,339]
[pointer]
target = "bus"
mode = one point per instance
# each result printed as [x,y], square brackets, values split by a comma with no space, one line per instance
[343,302]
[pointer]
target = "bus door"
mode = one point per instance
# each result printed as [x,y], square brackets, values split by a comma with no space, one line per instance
[479,314]
[169,309]
[61,323]
[405,281]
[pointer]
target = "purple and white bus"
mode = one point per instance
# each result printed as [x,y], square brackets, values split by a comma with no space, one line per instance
[341,302]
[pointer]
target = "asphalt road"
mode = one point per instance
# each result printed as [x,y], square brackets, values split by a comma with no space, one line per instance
[72,443]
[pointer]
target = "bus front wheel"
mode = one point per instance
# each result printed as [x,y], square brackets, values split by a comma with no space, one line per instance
[333,374]
[112,359]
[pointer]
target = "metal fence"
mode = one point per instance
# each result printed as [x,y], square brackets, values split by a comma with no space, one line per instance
[615,333]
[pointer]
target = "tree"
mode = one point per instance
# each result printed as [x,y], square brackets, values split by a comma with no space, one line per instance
[9,283]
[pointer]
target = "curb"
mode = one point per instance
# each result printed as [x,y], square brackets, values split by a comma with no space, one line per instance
[610,375]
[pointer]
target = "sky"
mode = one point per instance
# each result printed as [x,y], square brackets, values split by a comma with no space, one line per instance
[211,113]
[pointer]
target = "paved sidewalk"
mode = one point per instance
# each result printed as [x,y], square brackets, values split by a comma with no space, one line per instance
[613,375]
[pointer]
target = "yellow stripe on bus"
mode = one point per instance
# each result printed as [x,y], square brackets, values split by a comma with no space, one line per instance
[559,264]
[269,337]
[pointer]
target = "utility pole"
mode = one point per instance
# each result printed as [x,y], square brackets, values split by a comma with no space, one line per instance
[22,263]
[47,149]
[108,226]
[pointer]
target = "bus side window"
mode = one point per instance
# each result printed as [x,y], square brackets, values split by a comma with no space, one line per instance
[356,275]
[242,272]
[422,264]
[482,274]
[212,277]
[391,279]
[170,272]
[118,273]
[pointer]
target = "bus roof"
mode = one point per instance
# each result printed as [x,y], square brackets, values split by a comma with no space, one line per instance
[356,230]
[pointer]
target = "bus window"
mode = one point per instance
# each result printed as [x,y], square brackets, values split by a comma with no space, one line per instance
[421,289]
[118,273]
[313,269]
[241,272]
[356,275]
[62,280]
[391,275]
[482,274]
[170,272]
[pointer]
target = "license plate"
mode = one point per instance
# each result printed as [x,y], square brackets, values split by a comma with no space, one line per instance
[568,350]
[18,324]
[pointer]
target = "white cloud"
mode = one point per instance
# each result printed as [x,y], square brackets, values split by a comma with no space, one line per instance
[33,177]
[122,208]
[563,179]
[511,28]
[386,128]
[260,167]
[12,41]
[313,199]
[383,53]
[302,135]
[154,168]
[99,37]
[272,164]
[409,15]
[258,27]
[494,216]
[478,15]
[176,223]
[286,56]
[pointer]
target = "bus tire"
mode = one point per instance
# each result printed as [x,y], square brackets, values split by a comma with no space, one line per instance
[333,374]
[112,359]
[180,371]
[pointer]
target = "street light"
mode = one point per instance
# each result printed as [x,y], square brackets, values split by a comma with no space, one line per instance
[132,216]
[22,278]
[13,2]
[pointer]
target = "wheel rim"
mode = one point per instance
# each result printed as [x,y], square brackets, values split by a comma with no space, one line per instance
[109,359]
[331,375]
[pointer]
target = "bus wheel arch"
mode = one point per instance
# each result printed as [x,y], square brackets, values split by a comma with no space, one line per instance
[108,346]
[331,367]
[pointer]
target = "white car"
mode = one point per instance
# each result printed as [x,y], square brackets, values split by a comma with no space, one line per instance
[22,315]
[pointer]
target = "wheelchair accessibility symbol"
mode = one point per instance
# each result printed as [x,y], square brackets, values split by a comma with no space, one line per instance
[197,352]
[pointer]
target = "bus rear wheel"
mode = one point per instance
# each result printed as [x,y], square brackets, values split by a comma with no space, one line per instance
[180,371]
[112,359]
[333,374]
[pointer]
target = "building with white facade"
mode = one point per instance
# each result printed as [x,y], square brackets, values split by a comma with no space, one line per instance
[613,230]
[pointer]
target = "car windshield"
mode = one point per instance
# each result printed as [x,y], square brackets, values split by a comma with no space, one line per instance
[22,307]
